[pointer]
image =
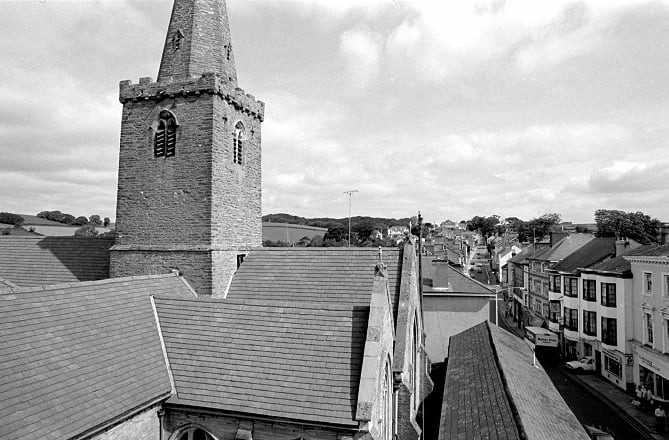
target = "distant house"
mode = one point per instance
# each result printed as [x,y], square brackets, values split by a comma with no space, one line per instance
[452,302]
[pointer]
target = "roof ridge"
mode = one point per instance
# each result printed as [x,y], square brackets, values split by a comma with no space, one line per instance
[269,303]
[90,283]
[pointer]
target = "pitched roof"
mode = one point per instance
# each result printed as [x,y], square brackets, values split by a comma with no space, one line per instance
[475,404]
[590,253]
[528,252]
[494,390]
[563,248]
[620,265]
[39,261]
[290,359]
[327,275]
[75,356]
[529,389]
[458,282]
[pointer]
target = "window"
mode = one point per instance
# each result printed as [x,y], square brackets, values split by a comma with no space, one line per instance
[571,287]
[554,311]
[609,331]
[608,294]
[589,290]
[165,138]
[555,282]
[665,284]
[666,336]
[648,282]
[589,323]
[571,319]
[194,434]
[237,143]
[386,412]
[613,366]
[648,326]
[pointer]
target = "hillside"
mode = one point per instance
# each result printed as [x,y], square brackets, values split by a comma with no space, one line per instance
[380,223]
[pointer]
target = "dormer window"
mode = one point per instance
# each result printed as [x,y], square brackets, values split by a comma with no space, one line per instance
[165,139]
[237,143]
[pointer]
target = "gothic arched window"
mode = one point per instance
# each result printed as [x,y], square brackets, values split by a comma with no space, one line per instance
[165,139]
[194,434]
[237,143]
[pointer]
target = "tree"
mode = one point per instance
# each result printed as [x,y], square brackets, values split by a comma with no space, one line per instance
[106,222]
[95,220]
[58,216]
[484,225]
[537,228]
[86,231]
[633,225]
[11,219]
[80,221]
[336,233]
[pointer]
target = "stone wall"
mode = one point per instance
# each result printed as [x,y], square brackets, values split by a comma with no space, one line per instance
[143,426]
[232,428]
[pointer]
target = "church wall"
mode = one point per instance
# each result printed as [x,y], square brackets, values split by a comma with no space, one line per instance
[236,193]
[143,426]
[228,428]
[194,266]
[165,201]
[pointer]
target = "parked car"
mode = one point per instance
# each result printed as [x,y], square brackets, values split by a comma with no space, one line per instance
[597,434]
[581,365]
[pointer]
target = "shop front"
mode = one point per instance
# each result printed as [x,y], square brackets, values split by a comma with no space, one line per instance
[652,371]
[617,368]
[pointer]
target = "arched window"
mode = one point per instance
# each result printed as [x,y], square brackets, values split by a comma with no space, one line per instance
[165,139]
[387,406]
[237,143]
[194,433]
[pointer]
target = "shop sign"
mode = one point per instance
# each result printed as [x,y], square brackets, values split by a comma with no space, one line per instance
[653,363]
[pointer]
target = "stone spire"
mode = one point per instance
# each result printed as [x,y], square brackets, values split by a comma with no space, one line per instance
[198,41]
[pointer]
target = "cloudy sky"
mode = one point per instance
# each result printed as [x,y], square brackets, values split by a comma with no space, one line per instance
[454,108]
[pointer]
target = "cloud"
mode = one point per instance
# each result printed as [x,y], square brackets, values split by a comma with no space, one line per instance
[630,177]
[361,54]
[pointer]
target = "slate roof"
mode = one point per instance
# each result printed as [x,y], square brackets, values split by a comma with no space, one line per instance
[39,261]
[459,282]
[494,390]
[529,252]
[563,248]
[294,360]
[620,265]
[327,275]
[475,404]
[591,253]
[76,356]
[541,411]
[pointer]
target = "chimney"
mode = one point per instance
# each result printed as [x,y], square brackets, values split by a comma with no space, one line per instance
[440,274]
[621,247]
[664,233]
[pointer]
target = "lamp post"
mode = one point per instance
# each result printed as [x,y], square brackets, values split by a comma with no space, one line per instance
[350,196]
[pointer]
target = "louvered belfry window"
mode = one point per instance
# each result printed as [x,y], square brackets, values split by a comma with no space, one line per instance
[237,143]
[165,140]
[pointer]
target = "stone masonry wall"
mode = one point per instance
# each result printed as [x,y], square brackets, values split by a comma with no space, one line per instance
[143,426]
[165,201]
[231,428]
[196,267]
[237,189]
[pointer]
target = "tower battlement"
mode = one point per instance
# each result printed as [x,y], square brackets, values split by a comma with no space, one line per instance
[207,83]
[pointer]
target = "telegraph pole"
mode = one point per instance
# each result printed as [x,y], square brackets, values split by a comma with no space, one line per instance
[350,196]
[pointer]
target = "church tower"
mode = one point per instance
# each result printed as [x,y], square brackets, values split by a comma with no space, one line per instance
[189,183]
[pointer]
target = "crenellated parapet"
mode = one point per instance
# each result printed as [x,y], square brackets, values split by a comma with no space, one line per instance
[208,83]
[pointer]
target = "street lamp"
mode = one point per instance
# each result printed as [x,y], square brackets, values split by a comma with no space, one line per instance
[350,196]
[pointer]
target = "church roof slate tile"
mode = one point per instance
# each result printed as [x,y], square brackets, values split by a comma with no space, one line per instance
[327,275]
[75,356]
[38,261]
[291,360]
